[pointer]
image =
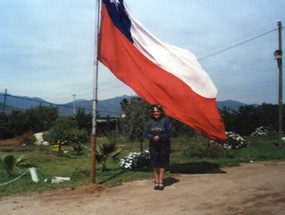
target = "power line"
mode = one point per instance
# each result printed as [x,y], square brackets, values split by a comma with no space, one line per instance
[238,39]
[34,100]
[58,105]
[236,45]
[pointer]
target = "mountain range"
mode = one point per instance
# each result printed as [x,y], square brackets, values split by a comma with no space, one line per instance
[107,107]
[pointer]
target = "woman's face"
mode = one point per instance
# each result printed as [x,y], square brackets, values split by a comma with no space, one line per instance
[156,113]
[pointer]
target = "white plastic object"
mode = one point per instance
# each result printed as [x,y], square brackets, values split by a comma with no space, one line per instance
[34,174]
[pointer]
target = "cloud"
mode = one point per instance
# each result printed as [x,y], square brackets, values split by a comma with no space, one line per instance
[47,48]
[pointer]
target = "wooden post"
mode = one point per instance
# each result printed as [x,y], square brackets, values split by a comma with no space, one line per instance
[280,103]
[95,92]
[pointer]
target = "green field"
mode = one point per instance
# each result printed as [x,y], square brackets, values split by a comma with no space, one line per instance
[188,155]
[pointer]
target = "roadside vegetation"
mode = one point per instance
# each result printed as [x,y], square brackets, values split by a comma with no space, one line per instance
[121,147]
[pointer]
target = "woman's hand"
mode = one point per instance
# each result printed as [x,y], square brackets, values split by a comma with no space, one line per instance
[156,138]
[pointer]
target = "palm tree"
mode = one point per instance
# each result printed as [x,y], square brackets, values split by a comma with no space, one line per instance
[106,151]
[8,162]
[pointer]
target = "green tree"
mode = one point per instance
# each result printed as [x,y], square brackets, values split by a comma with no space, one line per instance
[249,117]
[229,117]
[269,115]
[62,130]
[84,120]
[41,118]
[65,130]
[179,128]
[18,123]
[136,114]
[77,138]
[5,131]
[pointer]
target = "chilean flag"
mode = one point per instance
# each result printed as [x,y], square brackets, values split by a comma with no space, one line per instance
[158,72]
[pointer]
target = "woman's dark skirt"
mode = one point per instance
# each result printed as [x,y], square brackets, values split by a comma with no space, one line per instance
[159,153]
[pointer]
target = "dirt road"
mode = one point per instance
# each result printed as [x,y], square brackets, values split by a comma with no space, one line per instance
[249,189]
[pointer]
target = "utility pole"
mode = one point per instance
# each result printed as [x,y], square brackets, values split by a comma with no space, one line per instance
[4,104]
[278,56]
[74,104]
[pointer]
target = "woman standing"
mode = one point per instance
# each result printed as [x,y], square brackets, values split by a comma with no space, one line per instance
[158,131]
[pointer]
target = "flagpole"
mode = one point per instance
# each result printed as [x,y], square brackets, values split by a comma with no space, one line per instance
[95,94]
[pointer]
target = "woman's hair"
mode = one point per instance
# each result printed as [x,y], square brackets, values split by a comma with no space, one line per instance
[160,108]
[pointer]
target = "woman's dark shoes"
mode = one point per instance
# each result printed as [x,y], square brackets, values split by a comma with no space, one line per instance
[160,186]
[156,186]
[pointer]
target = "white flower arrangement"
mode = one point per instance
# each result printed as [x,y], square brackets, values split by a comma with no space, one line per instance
[261,131]
[136,160]
[234,141]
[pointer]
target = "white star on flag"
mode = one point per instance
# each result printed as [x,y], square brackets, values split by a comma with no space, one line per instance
[116,2]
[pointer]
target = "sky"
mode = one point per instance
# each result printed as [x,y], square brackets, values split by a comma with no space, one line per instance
[47,46]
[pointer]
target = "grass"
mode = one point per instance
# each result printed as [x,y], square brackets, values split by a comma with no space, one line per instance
[77,167]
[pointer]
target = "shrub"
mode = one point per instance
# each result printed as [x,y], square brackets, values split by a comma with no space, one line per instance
[136,160]
[27,139]
[62,130]
[8,163]
[105,152]
[205,150]
[77,138]
[65,131]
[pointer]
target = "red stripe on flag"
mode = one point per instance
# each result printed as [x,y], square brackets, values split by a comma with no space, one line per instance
[155,85]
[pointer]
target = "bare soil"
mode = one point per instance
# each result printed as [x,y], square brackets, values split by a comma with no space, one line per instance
[249,189]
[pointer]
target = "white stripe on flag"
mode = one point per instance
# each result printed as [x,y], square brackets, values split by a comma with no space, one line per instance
[177,61]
